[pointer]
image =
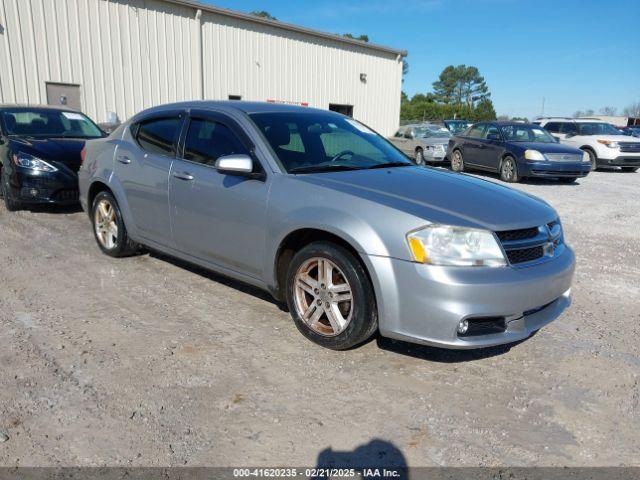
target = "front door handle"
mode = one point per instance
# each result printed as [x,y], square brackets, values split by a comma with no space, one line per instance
[183,176]
[124,159]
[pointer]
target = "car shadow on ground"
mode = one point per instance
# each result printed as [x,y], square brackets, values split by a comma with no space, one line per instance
[443,355]
[377,455]
[221,279]
[525,181]
[54,209]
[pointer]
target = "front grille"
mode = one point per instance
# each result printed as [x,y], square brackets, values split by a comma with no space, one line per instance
[525,255]
[629,147]
[528,245]
[564,157]
[510,235]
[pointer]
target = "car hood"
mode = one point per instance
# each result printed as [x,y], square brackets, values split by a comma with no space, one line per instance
[436,140]
[548,147]
[439,196]
[61,151]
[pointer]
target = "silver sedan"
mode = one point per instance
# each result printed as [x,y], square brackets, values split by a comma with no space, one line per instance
[327,216]
[425,143]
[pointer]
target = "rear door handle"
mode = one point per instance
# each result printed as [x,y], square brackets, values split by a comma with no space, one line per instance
[183,176]
[124,159]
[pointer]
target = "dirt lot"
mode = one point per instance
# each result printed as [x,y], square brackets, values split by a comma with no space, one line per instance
[143,361]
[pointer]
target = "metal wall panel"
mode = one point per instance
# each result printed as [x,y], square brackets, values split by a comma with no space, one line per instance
[128,55]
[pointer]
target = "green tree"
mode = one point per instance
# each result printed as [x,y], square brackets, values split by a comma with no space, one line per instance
[263,14]
[461,85]
[484,111]
[362,38]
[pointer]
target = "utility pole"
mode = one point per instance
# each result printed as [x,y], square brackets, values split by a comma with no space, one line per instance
[542,113]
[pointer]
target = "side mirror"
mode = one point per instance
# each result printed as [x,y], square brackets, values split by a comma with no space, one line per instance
[241,165]
[493,136]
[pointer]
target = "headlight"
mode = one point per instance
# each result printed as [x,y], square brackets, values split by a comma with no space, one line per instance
[455,246]
[533,155]
[25,160]
[609,143]
[586,157]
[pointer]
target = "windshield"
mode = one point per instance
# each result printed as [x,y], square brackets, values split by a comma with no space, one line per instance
[526,133]
[45,122]
[316,142]
[594,128]
[457,126]
[426,132]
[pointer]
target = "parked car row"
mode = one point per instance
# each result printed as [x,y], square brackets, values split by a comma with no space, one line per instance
[560,148]
[315,208]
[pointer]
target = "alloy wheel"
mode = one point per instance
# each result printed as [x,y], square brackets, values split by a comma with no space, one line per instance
[456,161]
[106,225]
[323,297]
[419,158]
[508,170]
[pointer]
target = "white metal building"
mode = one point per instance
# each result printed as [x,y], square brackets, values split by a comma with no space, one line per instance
[126,55]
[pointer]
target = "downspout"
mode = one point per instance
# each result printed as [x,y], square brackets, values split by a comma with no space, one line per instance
[199,54]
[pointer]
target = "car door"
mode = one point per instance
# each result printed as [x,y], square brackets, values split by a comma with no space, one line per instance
[492,148]
[569,134]
[472,145]
[409,145]
[217,217]
[142,166]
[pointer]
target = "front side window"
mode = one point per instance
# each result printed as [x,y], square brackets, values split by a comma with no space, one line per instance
[526,133]
[49,123]
[491,129]
[159,135]
[208,140]
[476,131]
[569,128]
[596,128]
[308,142]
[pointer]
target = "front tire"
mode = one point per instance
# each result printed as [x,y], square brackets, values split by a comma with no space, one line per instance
[509,170]
[10,204]
[457,161]
[330,296]
[108,227]
[592,158]
[419,157]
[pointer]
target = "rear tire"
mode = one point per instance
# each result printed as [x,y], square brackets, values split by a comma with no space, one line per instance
[10,204]
[457,161]
[335,309]
[108,227]
[509,170]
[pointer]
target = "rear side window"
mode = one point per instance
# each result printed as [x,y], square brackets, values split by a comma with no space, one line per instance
[569,128]
[208,140]
[159,135]
[552,127]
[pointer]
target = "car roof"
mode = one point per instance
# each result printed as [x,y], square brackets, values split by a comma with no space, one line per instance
[16,106]
[240,105]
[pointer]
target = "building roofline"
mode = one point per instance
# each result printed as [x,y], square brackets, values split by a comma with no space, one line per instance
[286,26]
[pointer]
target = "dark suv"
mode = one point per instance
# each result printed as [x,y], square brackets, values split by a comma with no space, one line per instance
[516,150]
[40,154]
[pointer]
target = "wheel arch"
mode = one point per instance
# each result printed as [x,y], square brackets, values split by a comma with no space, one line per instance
[298,239]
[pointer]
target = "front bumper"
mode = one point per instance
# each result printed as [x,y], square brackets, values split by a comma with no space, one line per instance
[622,160]
[30,187]
[555,169]
[424,304]
[432,154]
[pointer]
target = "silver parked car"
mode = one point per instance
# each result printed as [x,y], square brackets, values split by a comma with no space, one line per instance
[324,213]
[425,143]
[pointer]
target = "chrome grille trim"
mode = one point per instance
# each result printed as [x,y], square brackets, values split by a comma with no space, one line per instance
[529,249]
[564,157]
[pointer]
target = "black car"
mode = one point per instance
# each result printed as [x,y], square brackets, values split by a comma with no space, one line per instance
[631,130]
[516,150]
[40,154]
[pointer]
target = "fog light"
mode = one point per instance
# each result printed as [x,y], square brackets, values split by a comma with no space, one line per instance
[463,327]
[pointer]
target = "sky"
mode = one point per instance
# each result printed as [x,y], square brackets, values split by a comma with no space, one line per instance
[576,55]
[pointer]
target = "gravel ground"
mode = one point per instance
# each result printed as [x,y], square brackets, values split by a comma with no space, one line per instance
[144,361]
